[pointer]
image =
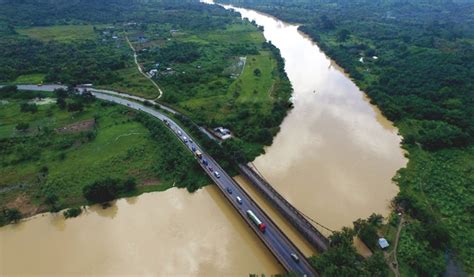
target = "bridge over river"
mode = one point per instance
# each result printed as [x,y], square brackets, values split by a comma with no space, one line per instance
[276,241]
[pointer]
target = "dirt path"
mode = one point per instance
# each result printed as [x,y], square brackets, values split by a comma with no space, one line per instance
[394,264]
[141,70]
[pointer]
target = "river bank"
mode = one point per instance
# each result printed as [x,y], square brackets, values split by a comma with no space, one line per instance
[435,185]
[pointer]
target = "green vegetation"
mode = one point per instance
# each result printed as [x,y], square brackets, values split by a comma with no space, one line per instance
[10,216]
[48,165]
[30,79]
[210,77]
[178,165]
[107,189]
[417,67]
[72,212]
[132,82]
[342,259]
[65,33]
[211,65]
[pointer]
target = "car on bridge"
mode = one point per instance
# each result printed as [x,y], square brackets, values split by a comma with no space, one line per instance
[217,174]
[239,200]
[229,190]
[295,257]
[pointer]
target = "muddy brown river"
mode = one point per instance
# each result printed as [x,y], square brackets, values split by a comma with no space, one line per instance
[333,159]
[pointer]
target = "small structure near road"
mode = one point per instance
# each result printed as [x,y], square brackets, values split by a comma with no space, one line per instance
[152,73]
[222,133]
[383,243]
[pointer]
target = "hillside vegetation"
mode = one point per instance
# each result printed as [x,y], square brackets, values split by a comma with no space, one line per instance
[212,66]
[54,145]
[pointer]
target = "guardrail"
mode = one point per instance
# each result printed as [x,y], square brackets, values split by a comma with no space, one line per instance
[307,230]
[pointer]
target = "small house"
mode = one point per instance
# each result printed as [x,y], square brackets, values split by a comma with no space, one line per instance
[222,133]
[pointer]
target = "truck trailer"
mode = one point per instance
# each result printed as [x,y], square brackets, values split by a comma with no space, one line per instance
[261,226]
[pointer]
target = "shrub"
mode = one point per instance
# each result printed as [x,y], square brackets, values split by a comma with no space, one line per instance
[73,212]
[11,215]
[22,126]
[108,189]
[102,191]
[25,107]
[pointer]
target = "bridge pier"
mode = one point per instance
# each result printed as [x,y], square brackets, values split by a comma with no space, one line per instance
[288,211]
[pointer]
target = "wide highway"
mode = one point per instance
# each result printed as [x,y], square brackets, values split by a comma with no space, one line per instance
[281,247]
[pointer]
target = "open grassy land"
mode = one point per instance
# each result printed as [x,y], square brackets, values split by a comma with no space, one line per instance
[132,82]
[29,79]
[225,77]
[58,152]
[60,33]
[211,65]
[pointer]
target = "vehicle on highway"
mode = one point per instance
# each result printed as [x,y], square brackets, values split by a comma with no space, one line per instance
[229,190]
[128,104]
[261,226]
[185,139]
[239,200]
[295,257]
[193,149]
[198,154]
[210,168]
[204,162]
[217,174]
[179,132]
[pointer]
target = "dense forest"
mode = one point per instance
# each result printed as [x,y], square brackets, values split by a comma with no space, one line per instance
[418,66]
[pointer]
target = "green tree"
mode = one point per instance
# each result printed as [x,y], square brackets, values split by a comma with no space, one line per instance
[130,184]
[22,126]
[257,72]
[72,212]
[343,35]
[102,191]
[25,107]
[12,215]
[52,200]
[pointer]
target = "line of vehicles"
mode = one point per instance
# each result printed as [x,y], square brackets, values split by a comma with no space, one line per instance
[200,157]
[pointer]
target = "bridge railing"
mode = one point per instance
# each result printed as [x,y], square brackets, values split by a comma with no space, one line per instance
[307,230]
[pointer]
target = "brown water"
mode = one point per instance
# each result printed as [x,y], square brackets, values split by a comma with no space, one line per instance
[333,159]
[163,233]
[335,154]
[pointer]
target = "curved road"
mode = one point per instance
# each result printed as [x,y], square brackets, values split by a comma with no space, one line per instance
[273,238]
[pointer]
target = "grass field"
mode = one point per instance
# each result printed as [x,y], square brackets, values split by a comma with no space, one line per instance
[121,148]
[30,79]
[256,88]
[133,83]
[61,33]
[209,96]
[201,76]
